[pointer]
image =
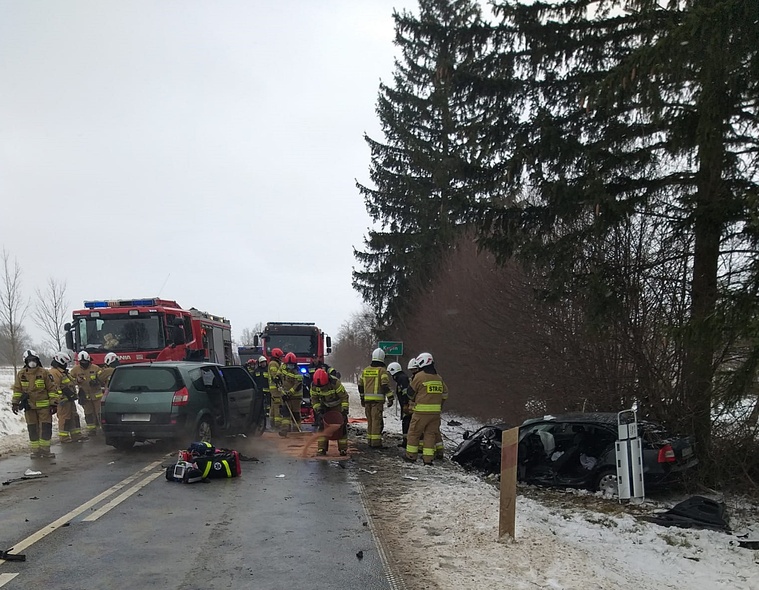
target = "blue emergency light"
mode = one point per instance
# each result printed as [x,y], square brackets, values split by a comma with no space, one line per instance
[304,370]
[95,304]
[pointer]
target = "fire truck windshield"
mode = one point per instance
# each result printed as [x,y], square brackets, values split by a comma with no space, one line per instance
[300,344]
[120,333]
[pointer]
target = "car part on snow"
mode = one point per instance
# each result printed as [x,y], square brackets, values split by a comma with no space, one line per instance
[697,512]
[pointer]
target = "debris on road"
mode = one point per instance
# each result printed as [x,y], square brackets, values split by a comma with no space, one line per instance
[367,471]
[7,556]
[697,512]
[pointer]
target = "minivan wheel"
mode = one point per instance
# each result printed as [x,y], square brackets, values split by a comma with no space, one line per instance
[203,431]
[606,483]
[122,444]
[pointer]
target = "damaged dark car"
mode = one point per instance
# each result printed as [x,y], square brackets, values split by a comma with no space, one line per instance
[578,450]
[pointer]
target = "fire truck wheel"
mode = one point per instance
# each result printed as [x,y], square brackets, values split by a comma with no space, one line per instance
[203,431]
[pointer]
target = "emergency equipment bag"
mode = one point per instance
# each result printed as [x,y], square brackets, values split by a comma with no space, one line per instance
[223,464]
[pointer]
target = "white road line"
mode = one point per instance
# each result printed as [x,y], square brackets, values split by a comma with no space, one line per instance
[45,531]
[5,578]
[121,497]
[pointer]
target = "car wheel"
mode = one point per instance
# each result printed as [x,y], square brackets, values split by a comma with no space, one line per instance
[606,482]
[122,444]
[203,431]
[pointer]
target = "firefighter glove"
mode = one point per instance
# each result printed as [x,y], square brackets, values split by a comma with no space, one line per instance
[14,408]
[390,403]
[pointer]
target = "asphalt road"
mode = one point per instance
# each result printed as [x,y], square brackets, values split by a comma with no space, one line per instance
[109,519]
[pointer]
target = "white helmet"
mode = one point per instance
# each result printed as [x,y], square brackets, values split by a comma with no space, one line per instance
[84,356]
[29,355]
[62,358]
[262,359]
[394,368]
[424,360]
[111,358]
[412,365]
[378,355]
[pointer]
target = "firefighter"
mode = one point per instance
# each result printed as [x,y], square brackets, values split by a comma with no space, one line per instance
[374,389]
[35,392]
[85,375]
[250,366]
[291,393]
[327,394]
[104,375]
[274,382]
[69,426]
[261,379]
[402,385]
[429,393]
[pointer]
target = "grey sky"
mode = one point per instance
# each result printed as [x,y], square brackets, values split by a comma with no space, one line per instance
[212,143]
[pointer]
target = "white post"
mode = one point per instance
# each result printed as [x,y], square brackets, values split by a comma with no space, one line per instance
[629,455]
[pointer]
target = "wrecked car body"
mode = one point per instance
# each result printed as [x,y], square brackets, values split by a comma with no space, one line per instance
[578,450]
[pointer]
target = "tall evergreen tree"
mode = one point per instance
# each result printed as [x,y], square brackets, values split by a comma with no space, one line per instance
[433,161]
[640,114]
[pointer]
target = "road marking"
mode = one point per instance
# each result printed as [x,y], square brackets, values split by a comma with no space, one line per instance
[5,578]
[45,531]
[121,497]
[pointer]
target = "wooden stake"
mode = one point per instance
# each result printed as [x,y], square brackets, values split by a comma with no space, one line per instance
[507,512]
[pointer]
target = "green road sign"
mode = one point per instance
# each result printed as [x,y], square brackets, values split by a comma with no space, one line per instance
[395,348]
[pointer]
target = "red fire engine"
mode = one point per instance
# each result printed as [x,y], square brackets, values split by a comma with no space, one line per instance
[307,342]
[151,329]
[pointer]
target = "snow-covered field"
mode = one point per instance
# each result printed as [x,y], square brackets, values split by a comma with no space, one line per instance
[440,526]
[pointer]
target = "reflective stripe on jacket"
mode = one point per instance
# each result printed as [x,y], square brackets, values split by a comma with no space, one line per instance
[38,384]
[87,381]
[332,395]
[429,393]
[374,384]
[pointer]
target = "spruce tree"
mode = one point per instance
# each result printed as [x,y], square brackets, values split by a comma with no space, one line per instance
[640,117]
[433,162]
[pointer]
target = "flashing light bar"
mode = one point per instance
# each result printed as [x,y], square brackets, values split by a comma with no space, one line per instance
[130,303]
[304,370]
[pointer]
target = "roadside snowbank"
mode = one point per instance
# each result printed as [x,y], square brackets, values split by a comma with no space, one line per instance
[440,525]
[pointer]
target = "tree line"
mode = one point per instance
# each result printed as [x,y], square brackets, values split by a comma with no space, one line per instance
[48,310]
[579,182]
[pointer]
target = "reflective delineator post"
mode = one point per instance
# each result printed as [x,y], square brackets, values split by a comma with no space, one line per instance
[508,503]
[629,454]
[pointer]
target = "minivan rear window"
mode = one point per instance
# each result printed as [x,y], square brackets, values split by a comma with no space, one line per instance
[146,379]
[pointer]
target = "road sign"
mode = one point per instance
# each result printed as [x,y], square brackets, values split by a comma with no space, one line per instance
[395,348]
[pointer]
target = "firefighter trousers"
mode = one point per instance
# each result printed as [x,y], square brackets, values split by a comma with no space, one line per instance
[427,427]
[290,409]
[91,414]
[274,412]
[69,426]
[39,424]
[374,422]
[322,443]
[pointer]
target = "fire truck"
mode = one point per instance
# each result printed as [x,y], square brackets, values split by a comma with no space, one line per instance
[150,329]
[306,341]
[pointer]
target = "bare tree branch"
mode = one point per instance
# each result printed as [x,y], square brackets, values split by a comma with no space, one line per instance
[13,309]
[50,311]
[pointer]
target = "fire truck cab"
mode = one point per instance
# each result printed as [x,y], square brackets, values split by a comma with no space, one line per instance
[150,329]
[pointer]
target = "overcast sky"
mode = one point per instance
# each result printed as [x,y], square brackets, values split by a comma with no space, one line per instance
[205,151]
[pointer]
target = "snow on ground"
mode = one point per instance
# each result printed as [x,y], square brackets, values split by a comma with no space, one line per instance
[440,526]
[13,436]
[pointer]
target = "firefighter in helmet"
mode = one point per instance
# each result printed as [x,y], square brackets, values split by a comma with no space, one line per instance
[261,378]
[69,426]
[35,392]
[328,397]
[251,365]
[275,380]
[111,362]
[85,375]
[291,393]
[429,395]
[402,386]
[374,389]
